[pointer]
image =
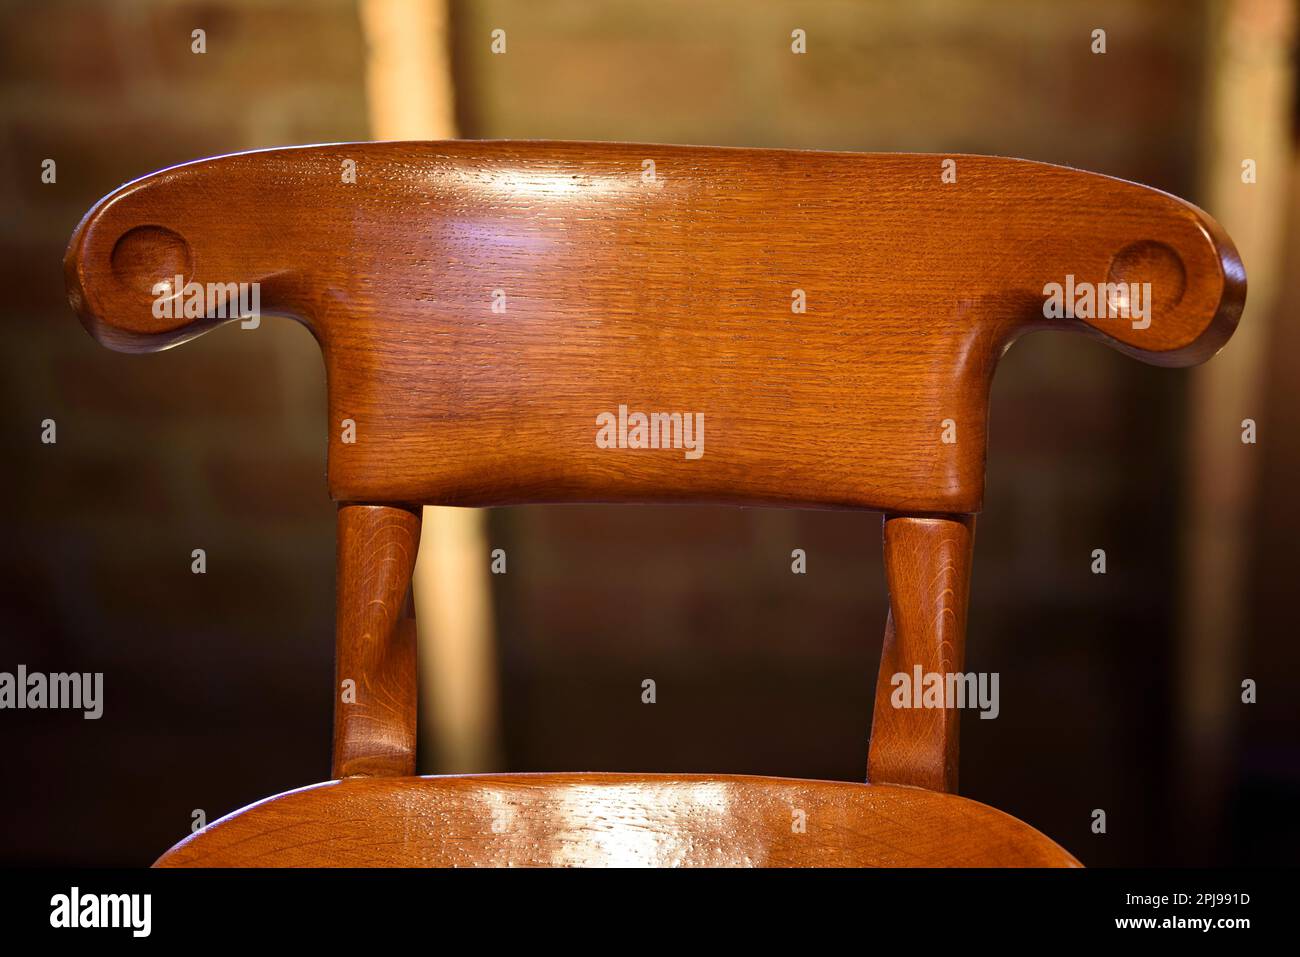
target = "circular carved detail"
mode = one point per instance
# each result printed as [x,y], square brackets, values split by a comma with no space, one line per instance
[149,257]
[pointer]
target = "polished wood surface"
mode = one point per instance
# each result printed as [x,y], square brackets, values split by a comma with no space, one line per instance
[927,569]
[375,716]
[831,322]
[670,293]
[624,820]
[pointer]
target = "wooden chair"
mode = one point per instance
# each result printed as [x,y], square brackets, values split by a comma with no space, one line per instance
[481,304]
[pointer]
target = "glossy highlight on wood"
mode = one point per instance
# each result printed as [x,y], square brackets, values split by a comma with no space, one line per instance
[615,820]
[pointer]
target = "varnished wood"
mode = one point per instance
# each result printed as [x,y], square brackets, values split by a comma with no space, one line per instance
[927,568]
[374,720]
[670,294]
[616,820]
[660,279]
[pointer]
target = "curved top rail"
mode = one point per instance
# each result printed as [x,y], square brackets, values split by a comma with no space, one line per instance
[508,322]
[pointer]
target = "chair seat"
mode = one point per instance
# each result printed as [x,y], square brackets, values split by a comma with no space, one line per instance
[614,820]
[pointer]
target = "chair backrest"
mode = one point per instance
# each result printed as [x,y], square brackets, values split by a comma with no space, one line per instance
[555,322]
[550,322]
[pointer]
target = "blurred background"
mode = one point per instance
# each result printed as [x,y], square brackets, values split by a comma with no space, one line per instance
[1119,691]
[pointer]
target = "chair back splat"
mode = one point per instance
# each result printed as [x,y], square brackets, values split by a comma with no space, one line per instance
[507,323]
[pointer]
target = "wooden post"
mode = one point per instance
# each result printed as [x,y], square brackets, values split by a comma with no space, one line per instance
[375,672]
[927,565]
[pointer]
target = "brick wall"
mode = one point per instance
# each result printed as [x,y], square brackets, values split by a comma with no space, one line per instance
[217,686]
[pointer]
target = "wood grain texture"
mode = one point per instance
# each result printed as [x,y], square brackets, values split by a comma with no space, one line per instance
[664,295]
[928,569]
[614,820]
[374,726]
[480,306]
